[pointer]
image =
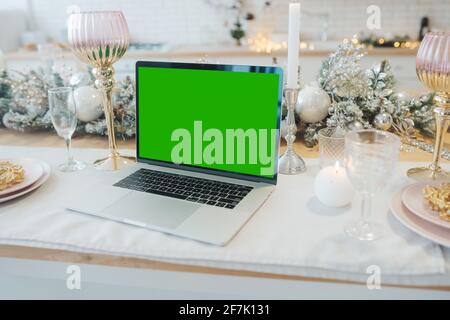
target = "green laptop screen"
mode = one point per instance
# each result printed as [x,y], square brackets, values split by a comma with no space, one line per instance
[224,120]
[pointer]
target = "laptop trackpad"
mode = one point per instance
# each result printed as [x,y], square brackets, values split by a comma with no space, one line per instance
[151,209]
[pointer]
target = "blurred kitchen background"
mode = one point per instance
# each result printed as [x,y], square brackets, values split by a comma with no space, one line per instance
[34,32]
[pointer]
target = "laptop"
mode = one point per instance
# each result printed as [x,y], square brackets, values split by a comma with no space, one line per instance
[207,138]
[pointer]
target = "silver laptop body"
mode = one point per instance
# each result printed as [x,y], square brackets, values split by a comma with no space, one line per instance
[112,199]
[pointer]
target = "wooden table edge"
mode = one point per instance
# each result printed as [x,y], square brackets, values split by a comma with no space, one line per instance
[58,255]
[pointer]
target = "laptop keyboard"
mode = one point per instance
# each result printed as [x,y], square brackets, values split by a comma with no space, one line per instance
[210,192]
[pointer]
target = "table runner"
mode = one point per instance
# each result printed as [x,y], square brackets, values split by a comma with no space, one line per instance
[292,233]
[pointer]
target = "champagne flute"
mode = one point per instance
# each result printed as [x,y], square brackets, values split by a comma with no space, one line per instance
[433,69]
[64,118]
[370,160]
[100,38]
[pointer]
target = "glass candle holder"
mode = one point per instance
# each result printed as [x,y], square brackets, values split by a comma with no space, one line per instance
[331,146]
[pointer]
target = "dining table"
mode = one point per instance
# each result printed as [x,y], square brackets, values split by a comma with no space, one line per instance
[30,271]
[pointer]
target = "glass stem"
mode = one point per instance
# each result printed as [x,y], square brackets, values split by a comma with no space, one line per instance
[366,206]
[69,153]
[442,125]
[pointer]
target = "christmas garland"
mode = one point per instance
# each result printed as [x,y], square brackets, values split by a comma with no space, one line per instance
[359,98]
[366,98]
[24,102]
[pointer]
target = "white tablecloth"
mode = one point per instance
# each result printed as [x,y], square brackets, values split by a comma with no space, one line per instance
[291,234]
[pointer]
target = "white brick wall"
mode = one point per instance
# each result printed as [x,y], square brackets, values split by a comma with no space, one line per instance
[197,21]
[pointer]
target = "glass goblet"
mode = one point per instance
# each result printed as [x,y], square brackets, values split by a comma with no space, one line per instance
[433,70]
[101,38]
[371,156]
[64,118]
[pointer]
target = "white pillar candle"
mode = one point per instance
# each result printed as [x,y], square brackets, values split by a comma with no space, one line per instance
[293,45]
[2,61]
[332,186]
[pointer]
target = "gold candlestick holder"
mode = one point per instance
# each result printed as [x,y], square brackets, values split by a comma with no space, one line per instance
[100,38]
[105,82]
[434,171]
[433,69]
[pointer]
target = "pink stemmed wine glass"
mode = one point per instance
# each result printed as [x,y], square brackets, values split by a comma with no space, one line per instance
[100,38]
[433,69]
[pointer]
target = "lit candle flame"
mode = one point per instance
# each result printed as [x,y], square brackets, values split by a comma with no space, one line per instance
[337,166]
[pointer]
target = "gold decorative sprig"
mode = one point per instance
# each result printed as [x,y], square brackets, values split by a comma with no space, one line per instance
[10,174]
[409,136]
[439,199]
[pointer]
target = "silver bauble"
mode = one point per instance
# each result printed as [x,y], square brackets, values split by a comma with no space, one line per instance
[35,109]
[312,104]
[355,125]
[402,97]
[383,121]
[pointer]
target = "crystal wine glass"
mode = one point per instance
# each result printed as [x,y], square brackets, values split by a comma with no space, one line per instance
[433,69]
[371,156]
[64,118]
[100,38]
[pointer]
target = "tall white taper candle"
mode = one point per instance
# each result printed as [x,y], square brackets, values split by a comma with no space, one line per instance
[2,61]
[293,45]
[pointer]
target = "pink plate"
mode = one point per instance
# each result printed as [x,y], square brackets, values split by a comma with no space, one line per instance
[44,177]
[33,171]
[413,199]
[422,227]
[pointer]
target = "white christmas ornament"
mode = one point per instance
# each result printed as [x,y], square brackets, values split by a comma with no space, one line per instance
[88,101]
[313,104]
